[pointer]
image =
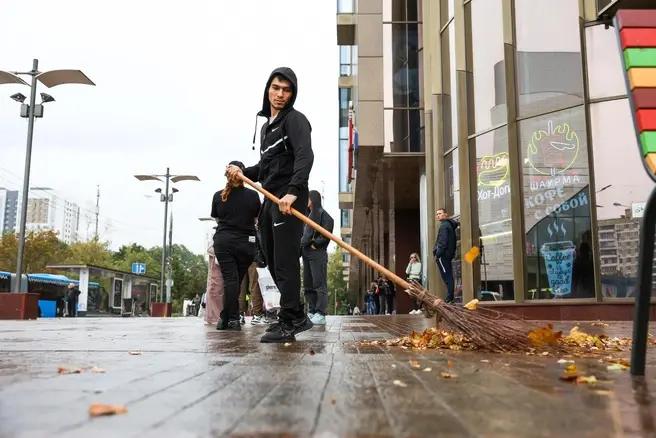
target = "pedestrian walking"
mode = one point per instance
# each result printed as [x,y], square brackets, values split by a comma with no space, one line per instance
[315,260]
[72,295]
[236,209]
[284,168]
[413,273]
[445,249]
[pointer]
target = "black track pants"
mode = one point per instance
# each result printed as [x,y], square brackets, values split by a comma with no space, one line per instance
[234,254]
[281,244]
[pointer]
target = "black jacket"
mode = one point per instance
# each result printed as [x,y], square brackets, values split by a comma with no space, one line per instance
[285,145]
[320,216]
[445,244]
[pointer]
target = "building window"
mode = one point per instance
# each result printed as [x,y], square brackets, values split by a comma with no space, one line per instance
[449,88]
[605,71]
[487,86]
[348,56]
[452,183]
[345,6]
[402,81]
[620,183]
[344,104]
[559,259]
[493,188]
[549,73]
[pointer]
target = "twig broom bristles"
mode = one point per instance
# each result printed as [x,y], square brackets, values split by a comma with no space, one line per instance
[487,329]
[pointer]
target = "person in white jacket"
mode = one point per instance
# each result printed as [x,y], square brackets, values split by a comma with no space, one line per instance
[413,273]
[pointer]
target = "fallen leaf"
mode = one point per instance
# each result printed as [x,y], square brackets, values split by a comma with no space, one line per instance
[312,353]
[449,364]
[134,353]
[287,344]
[544,353]
[599,324]
[414,364]
[66,370]
[544,336]
[570,373]
[617,367]
[472,254]
[472,305]
[427,370]
[97,370]
[99,409]
[399,383]
[565,361]
[590,380]
[447,375]
[485,361]
[393,365]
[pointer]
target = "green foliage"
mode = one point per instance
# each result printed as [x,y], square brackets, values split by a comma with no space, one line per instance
[41,248]
[189,275]
[336,284]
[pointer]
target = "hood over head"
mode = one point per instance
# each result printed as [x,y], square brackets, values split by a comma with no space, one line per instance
[286,73]
[315,197]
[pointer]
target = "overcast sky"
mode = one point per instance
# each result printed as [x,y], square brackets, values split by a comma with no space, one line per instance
[178,84]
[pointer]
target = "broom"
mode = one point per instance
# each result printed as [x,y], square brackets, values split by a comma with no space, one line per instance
[487,329]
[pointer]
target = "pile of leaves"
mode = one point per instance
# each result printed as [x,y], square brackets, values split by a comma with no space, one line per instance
[543,338]
[432,338]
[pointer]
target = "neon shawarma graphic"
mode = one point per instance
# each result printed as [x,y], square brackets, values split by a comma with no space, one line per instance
[559,260]
[554,150]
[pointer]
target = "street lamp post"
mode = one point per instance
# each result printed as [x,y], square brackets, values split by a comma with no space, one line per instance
[31,111]
[166,198]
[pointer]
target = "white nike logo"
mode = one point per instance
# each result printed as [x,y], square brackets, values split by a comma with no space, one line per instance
[277,224]
[275,129]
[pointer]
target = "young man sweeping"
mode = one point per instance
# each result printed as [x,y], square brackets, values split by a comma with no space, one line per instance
[285,162]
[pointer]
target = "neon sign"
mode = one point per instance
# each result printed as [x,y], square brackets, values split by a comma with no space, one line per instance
[554,150]
[493,170]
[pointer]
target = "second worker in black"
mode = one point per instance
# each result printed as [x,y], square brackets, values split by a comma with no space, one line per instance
[235,209]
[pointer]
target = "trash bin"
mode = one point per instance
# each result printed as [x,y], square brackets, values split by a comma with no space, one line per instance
[48,308]
[127,307]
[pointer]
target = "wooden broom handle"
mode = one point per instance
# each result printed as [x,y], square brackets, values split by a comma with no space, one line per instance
[378,267]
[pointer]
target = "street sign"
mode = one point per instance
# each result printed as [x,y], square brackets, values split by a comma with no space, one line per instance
[139,268]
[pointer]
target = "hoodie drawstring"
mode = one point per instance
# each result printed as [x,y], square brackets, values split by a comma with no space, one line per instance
[255,131]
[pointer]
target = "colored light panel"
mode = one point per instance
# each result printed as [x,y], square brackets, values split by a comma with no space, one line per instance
[640,58]
[648,142]
[644,37]
[642,77]
[646,119]
[636,18]
[650,159]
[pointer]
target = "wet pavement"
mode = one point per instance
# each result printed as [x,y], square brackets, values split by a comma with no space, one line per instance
[190,380]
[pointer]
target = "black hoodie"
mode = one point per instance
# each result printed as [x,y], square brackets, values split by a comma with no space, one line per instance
[320,216]
[285,146]
[445,244]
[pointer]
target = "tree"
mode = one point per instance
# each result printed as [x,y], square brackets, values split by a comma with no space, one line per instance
[189,275]
[41,249]
[336,284]
[93,252]
[135,253]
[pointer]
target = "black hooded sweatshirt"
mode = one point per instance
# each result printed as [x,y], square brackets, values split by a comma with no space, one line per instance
[320,216]
[445,244]
[285,146]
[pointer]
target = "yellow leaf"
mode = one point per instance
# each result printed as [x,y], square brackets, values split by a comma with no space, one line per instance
[66,370]
[472,254]
[414,364]
[591,380]
[399,383]
[472,305]
[544,336]
[447,375]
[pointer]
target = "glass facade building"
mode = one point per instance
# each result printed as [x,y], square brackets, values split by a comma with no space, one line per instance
[521,116]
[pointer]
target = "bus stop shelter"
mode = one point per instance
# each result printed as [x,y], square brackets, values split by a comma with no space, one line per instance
[127,290]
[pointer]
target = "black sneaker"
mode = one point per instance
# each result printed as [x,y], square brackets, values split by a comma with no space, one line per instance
[232,325]
[299,326]
[282,332]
